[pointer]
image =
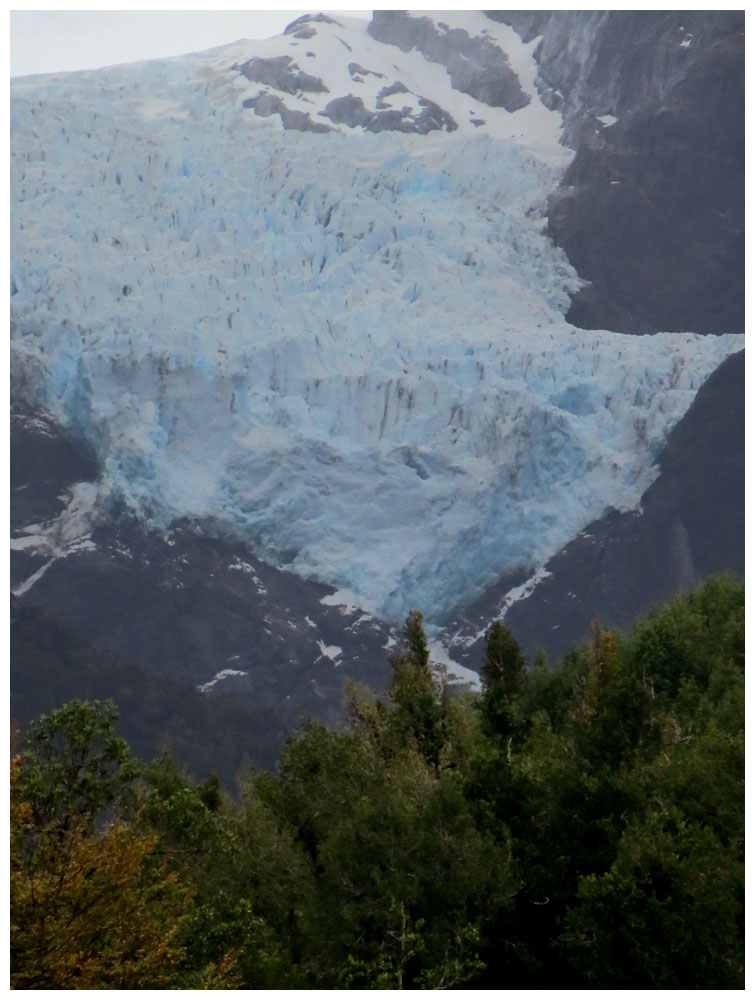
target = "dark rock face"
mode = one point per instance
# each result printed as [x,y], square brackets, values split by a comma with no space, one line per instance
[356,71]
[476,66]
[302,26]
[528,24]
[300,121]
[190,606]
[282,73]
[432,118]
[304,32]
[187,610]
[44,460]
[351,111]
[651,211]
[267,104]
[347,110]
[395,88]
[52,664]
[690,525]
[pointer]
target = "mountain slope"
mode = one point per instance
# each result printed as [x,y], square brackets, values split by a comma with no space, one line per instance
[653,104]
[345,349]
[186,606]
[291,338]
[689,525]
[53,664]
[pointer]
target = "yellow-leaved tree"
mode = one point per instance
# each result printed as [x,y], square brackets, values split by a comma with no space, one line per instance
[93,904]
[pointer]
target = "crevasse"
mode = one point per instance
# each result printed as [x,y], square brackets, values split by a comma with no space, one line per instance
[348,350]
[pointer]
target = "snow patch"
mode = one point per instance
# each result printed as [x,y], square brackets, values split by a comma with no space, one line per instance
[518,593]
[28,542]
[245,567]
[67,534]
[455,673]
[220,676]
[330,652]
[345,600]
[29,583]
[521,592]
[360,619]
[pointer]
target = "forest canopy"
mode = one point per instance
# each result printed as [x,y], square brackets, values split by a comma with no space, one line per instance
[578,825]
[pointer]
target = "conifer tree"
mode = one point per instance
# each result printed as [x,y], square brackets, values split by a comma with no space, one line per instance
[503,668]
[416,640]
[502,674]
[416,695]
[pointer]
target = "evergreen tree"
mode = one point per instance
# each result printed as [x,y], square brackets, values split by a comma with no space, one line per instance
[575,827]
[502,674]
[504,664]
[417,718]
[416,640]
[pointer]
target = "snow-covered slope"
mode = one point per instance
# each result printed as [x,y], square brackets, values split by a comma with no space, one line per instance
[346,347]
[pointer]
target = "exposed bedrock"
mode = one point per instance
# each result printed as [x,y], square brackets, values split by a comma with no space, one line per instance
[476,65]
[282,73]
[351,111]
[690,524]
[651,211]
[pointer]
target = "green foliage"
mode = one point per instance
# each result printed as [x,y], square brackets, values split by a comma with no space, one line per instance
[75,764]
[95,904]
[628,737]
[502,673]
[416,640]
[204,837]
[416,720]
[665,915]
[504,664]
[402,874]
[576,827]
[696,640]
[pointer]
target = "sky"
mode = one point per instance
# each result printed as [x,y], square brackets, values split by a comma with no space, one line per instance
[51,41]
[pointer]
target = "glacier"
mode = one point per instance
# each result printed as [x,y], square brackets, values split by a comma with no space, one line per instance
[347,349]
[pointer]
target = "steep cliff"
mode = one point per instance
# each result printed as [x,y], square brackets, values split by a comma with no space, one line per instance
[651,210]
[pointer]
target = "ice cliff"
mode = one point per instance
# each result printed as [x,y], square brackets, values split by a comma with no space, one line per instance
[345,345]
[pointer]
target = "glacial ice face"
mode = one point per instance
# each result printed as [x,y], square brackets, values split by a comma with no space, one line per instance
[348,350]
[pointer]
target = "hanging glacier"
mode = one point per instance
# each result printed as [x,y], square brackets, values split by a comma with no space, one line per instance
[347,349]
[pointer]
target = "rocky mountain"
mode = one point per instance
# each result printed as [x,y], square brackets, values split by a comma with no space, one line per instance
[653,105]
[311,331]
[623,564]
[196,609]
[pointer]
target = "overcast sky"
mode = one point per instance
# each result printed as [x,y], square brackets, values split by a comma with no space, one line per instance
[48,41]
